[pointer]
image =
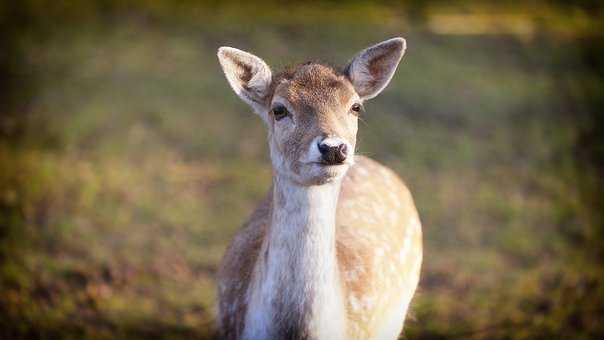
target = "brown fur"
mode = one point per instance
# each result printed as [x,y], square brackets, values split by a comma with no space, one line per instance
[357,240]
[316,93]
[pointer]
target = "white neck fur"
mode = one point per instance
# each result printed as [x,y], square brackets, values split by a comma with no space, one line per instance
[296,291]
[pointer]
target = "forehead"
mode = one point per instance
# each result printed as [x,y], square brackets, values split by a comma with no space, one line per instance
[313,85]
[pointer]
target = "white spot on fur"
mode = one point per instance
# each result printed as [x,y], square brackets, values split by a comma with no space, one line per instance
[368,302]
[354,303]
[392,216]
[402,255]
[362,172]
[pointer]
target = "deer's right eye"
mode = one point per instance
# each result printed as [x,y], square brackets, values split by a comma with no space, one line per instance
[280,112]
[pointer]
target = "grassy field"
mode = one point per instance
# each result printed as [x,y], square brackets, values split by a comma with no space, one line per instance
[127,163]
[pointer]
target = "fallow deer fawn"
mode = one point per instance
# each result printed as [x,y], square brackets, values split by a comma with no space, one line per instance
[335,249]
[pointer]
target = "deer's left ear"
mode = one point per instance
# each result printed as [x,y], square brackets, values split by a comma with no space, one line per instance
[371,70]
[249,76]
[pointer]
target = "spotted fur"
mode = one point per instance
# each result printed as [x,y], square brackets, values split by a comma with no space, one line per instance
[331,252]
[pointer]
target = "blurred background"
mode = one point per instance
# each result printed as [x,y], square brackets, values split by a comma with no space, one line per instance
[127,164]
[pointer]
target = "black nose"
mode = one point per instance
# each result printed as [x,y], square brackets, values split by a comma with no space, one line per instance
[333,154]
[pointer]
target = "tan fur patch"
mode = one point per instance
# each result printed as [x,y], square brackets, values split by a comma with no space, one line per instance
[373,283]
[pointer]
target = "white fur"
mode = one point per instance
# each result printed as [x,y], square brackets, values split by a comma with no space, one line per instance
[313,154]
[302,228]
[393,326]
[333,141]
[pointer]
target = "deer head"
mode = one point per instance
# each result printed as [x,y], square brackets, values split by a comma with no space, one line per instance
[311,110]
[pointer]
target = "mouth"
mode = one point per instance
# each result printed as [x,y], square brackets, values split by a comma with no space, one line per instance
[330,169]
[328,165]
[322,172]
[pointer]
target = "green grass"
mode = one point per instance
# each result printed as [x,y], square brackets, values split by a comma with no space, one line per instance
[128,164]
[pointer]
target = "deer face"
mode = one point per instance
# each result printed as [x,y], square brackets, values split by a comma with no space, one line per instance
[313,124]
[311,110]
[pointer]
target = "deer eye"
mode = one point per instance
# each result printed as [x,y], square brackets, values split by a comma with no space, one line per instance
[356,108]
[280,112]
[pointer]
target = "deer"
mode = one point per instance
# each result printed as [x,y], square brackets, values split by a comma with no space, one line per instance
[334,250]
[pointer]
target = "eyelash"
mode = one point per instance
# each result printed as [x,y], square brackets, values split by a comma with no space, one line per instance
[279,112]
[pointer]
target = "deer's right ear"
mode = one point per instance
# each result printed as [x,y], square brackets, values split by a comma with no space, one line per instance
[249,76]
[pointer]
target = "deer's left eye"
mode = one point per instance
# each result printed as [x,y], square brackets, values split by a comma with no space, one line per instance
[356,108]
[280,112]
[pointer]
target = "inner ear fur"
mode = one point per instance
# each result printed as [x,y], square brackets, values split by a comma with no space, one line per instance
[249,76]
[372,69]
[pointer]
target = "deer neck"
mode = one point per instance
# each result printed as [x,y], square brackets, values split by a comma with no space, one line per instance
[296,292]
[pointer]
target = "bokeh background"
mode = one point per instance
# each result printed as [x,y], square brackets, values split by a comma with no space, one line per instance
[127,164]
